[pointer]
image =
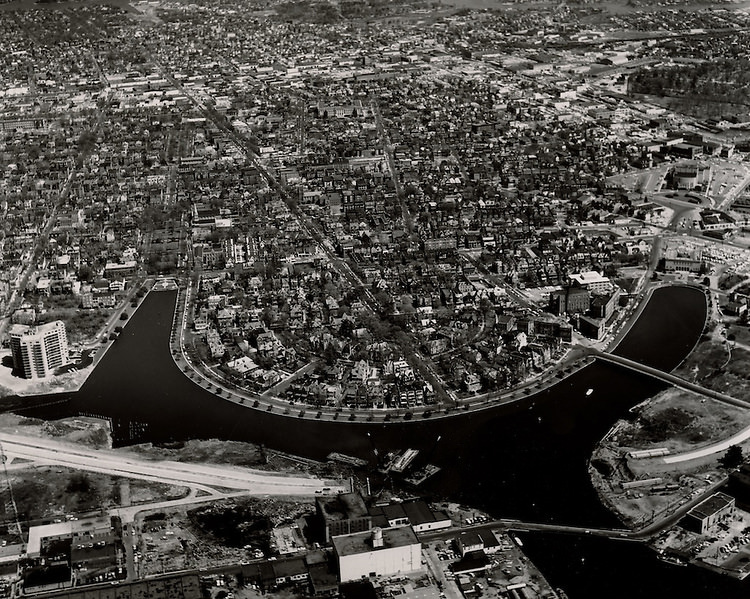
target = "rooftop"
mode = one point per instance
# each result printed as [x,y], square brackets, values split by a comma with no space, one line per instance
[361,542]
[708,507]
[21,330]
[589,277]
[344,506]
[419,512]
[68,528]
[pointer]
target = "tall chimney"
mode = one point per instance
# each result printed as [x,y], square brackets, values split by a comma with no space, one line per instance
[377,537]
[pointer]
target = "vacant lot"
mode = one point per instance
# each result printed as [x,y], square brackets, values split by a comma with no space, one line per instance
[680,420]
[48,492]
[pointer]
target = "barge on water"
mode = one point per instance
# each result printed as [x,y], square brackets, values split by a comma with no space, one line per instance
[349,460]
[403,461]
[422,474]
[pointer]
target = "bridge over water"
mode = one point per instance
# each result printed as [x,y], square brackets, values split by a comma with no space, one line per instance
[667,377]
[645,532]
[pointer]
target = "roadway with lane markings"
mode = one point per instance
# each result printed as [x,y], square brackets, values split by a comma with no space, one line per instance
[200,476]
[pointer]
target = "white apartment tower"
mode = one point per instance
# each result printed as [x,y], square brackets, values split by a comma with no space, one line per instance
[38,350]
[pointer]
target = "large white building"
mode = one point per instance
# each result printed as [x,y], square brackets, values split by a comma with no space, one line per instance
[38,350]
[377,552]
[592,281]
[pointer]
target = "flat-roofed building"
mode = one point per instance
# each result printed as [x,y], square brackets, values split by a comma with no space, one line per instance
[709,512]
[592,281]
[114,270]
[87,530]
[38,350]
[377,552]
[468,542]
[343,514]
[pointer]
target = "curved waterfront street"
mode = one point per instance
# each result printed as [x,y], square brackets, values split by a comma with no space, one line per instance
[577,357]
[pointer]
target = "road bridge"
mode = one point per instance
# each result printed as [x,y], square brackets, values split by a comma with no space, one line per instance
[644,533]
[667,377]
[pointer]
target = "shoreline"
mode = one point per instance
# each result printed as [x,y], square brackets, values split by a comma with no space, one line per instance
[575,359]
[71,382]
[684,469]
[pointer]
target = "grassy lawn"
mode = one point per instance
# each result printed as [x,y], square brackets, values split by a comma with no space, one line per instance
[707,358]
[80,324]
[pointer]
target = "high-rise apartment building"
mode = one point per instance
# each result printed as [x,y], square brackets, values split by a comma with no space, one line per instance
[38,350]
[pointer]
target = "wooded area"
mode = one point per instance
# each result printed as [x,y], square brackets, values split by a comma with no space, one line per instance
[725,81]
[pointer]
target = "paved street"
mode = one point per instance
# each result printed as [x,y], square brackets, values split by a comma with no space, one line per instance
[199,476]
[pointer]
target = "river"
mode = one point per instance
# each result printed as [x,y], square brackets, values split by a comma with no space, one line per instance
[526,461]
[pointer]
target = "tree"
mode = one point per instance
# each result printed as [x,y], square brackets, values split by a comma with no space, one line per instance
[733,457]
[79,483]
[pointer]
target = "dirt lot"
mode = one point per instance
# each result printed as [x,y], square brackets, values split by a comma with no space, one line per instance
[221,533]
[49,492]
[91,432]
[678,421]
[215,451]
[637,506]
[209,451]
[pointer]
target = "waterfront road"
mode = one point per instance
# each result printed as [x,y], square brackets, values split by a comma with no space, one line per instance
[200,476]
[709,450]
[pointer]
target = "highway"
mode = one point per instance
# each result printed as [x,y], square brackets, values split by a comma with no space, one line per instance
[519,526]
[199,476]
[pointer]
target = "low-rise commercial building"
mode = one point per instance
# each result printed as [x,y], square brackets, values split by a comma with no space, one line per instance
[709,512]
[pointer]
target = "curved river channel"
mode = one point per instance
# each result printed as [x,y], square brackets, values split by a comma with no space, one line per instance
[525,461]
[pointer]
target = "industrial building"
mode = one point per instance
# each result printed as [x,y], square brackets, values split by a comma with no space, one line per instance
[377,552]
[343,514]
[709,512]
[415,513]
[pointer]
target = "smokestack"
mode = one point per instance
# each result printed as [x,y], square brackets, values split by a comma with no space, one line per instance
[377,537]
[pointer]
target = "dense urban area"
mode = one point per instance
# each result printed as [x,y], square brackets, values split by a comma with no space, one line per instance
[369,211]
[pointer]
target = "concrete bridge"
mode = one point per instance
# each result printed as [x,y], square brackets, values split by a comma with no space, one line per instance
[667,377]
[645,532]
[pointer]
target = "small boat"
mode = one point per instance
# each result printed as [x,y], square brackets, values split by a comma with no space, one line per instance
[671,559]
[589,391]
